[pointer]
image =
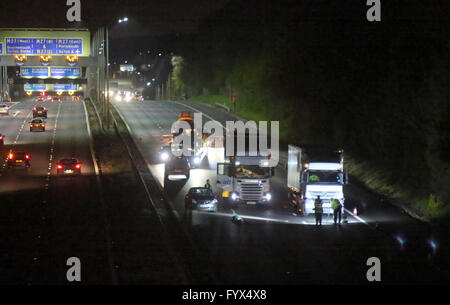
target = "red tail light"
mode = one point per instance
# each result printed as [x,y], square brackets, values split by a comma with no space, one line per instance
[10,156]
[34,108]
[27,157]
[78,166]
[59,166]
[43,125]
[31,125]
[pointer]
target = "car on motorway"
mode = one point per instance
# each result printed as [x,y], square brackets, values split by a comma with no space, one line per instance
[56,99]
[41,99]
[37,124]
[40,111]
[18,159]
[68,166]
[176,169]
[4,109]
[201,198]
[75,98]
[2,139]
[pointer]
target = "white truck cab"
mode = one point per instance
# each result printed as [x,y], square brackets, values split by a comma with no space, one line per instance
[307,180]
[246,180]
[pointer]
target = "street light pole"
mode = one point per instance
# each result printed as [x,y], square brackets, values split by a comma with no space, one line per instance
[107,78]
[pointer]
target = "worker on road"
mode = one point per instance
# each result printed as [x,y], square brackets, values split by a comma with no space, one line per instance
[207,184]
[318,210]
[337,209]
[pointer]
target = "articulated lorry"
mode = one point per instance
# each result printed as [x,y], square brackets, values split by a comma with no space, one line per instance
[315,172]
[245,179]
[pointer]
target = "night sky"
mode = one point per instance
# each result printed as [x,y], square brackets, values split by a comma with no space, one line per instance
[154,17]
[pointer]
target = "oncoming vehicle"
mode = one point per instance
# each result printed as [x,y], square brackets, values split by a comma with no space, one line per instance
[40,111]
[37,124]
[165,153]
[69,166]
[176,169]
[197,151]
[245,179]
[19,159]
[201,198]
[4,109]
[245,182]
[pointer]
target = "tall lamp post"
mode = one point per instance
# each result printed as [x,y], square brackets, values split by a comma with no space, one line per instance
[107,108]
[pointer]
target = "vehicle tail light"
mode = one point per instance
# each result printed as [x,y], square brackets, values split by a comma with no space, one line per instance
[1,138]
[31,125]
[34,108]
[78,166]
[187,197]
[10,156]
[43,125]
[27,157]
[59,166]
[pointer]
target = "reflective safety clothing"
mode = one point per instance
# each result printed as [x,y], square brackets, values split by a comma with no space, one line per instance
[318,209]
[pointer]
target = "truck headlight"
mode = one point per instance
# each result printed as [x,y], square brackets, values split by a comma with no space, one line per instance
[234,196]
[268,196]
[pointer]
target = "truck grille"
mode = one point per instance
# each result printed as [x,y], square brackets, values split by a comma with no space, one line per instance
[251,191]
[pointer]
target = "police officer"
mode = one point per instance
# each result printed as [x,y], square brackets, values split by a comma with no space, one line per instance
[318,210]
[207,185]
[337,209]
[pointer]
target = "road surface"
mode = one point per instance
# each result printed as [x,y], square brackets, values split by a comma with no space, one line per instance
[273,246]
[44,219]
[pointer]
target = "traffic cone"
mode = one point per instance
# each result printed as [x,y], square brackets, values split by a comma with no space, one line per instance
[355,212]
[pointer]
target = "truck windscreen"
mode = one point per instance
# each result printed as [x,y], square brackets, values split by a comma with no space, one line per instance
[252,171]
[323,177]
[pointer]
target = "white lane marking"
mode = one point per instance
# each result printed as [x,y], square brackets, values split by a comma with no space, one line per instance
[17,112]
[357,217]
[52,147]
[14,104]
[91,146]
